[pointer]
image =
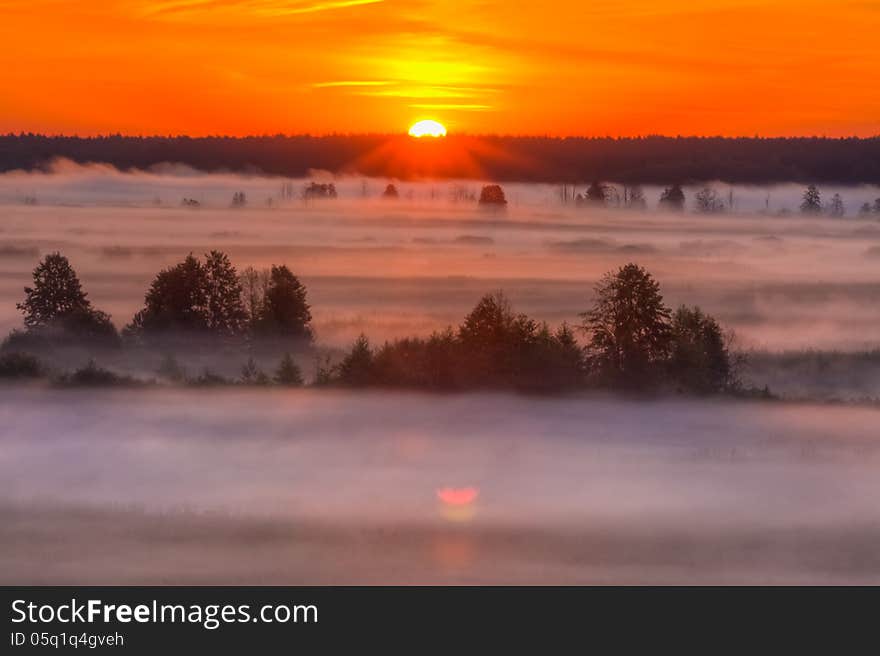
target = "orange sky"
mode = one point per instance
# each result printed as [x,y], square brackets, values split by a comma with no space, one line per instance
[576,67]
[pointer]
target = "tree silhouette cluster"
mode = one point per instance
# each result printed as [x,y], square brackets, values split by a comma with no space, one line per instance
[633,341]
[637,160]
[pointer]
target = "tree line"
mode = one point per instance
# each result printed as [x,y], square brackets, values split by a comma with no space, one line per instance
[638,160]
[633,341]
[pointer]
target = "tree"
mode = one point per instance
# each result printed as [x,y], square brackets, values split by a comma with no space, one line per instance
[865,209]
[699,360]
[285,311]
[251,374]
[356,368]
[254,284]
[836,208]
[176,301]
[672,198]
[390,191]
[226,314]
[494,342]
[628,327]
[812,201]
[320,190]
[636,198]
[239,199]
[288,373]
[706,201]
[194,298]
[492,195]
[597,193]
[57,307]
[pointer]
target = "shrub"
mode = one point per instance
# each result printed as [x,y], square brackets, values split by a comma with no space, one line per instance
[288,373]
[92,375]
[492,195]
[20,366]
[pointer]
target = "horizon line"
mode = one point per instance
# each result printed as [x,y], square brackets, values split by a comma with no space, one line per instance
[451,135]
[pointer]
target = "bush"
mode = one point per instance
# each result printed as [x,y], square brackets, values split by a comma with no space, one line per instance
[92,375]
[288,374]
[492,195]
[20,366]
[699,362]
[252,375]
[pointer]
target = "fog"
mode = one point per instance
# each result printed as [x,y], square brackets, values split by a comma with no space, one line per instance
[391,268]
[262,486]
[334,487]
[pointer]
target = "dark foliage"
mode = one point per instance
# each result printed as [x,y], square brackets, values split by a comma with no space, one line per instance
[57,310]
[288,373]
[284,311]
[192,298]
[92,375]
[492,195]
[320,190]
[672,198]
[812,202]
[699,362]
[597,194]
[628,328]
[20,366]
[494,348]
[390,192]
[645,160]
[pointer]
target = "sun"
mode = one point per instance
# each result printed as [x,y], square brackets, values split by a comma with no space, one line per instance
[427,128]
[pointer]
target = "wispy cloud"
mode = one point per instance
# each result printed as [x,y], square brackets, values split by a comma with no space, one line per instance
[171,9]
[452,106]
[351,83]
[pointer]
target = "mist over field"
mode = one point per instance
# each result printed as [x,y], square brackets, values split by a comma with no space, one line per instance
[419,263]
[339,487]
[241,485]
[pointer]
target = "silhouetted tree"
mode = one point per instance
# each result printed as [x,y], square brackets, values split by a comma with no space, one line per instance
[285,312]
[171,369]
[812,201]
[492,195]
[177,301]
[836,207]
[226,314]
[597,193]
[390,192]
[628,327]
[865,209]
[672,198]
[56,307]
[254,284]
[320,190]
[636,198]
[288,373]
[251,374]
[356,368]
[706,201]
[699,360]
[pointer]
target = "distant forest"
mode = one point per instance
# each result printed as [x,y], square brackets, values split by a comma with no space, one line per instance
[647,160]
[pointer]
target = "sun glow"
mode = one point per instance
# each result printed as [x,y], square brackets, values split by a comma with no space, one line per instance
[427,128]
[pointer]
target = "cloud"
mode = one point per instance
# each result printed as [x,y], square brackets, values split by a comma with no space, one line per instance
[173,9]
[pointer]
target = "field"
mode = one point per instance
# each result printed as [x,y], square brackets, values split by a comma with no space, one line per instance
[326,486]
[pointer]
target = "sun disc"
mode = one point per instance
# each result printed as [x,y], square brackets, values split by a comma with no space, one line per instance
[427,128]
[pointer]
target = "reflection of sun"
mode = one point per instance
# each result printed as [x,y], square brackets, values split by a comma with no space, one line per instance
[427,128]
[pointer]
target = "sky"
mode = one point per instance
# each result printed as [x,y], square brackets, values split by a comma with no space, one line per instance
[605,67]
